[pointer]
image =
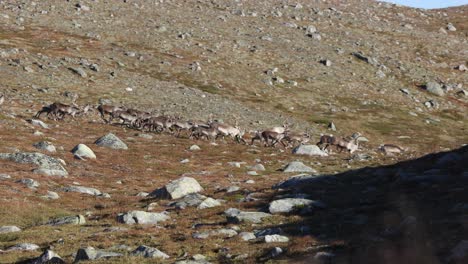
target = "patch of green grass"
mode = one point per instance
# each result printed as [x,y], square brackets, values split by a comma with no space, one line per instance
[381,127]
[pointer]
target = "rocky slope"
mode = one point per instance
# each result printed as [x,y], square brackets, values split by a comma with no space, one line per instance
[394,74]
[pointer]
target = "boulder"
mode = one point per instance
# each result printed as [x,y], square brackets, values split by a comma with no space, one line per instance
[45,145]
[309,150]
[90,253]
[9,229]
[81,189]
[111,141]
[236,216]
[68,220]
[246,236]
[46,165]
[177,189]
[257,167]
[141,217]
[297,166]
[209,203]
[289,205]
[30,183]
[149,252]
[23,247]
[82,151]
[435,88]
[51,195]
[193,199]
[276,239]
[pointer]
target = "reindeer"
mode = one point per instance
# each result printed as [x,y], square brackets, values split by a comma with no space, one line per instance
[108,109]
[349,144]
[271,138]
[225,130]
[124,116]
[208,133]
[180,126]
[293,139]
[281,129]
[59,110]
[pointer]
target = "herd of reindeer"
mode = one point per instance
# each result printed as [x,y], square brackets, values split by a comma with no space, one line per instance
[209,130]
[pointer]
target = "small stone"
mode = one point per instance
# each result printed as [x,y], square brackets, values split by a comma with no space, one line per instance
[194,148]
[309,150]
[39,123]
[252,173]
[48,257]
[231,189]
[451,27]
[236,216]
[257,167]
[91,253]
[24,247]
[81,189]
[79,71]
[287,205]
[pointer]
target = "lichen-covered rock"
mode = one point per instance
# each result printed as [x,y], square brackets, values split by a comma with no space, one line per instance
[142,217]
[82,151]
[111,141]
[46,165]
[177,189]
[149,252]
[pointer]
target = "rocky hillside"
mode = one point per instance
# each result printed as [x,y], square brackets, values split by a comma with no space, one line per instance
[393,74]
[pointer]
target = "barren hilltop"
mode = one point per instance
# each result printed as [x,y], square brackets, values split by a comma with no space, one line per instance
[167,131]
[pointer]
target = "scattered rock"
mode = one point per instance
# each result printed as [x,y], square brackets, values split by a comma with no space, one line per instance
[451,27]
[79,71]
[297,166]
[141,217]
[90,253]
[177,189]
[246,236]
[310,150]
[51,195]
[9,229]
[149,252]
[194,148]
[231,189]
[45,145]
[39,123]
[111,141]
[47,165]
[209,203]
[257,167]
[82,151]
[435,88]
[193,199]
[235,216]
[23,247]
[81,189]
[289,205]
[30,183]
[68,220]
[276,239]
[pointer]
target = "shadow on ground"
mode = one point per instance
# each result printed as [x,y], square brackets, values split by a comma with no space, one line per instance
[414,211]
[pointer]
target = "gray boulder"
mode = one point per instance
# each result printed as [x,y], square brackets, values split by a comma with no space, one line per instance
[246,236]
[51,195]
[193,199]
[48,257]
[435,88]
[82,151]
[45,145]
[236,216]
[111,141]
[297,166]
[90,253]
[257,167]
[46,165]
[177,189]
[276,239]
[289,205]
[9,229]
[23,247]
[30,183]
[149,252]
[81,189]
[223,232]
[141,217]
[309,150]
[68,220]
[209,203]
